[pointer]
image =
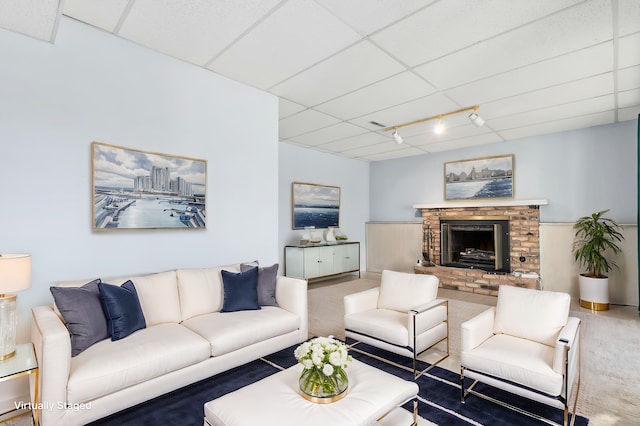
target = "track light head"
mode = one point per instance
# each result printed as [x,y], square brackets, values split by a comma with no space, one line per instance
[476,119]
[439,128]
[396,137]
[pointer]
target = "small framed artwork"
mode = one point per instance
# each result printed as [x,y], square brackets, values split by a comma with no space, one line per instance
[134,189]
[315,205]
[488,177]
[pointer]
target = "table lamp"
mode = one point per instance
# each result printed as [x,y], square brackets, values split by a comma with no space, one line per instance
[15,275]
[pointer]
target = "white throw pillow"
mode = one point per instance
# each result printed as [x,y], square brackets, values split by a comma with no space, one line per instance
[158,295]
[401,291]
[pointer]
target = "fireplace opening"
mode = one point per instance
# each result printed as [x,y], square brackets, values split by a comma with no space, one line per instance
[477,243]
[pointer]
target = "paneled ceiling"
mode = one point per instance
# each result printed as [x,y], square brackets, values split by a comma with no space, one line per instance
[338,66]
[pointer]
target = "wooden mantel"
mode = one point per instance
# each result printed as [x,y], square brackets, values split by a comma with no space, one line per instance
[481,203]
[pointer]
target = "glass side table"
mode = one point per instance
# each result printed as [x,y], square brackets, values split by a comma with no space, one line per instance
[23,363]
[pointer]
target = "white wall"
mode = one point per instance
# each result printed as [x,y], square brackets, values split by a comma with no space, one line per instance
[352,176]
[55,99]
[578,172]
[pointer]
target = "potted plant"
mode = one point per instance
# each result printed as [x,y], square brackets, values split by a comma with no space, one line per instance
[596,237]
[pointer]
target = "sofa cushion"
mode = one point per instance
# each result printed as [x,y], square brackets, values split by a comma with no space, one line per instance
[158,294]
[81,310]
[267,277]
[201,290]
[522,361]
[401,291]
[122,309]
[240,290]
[227,332]
[108,366]
[531,314]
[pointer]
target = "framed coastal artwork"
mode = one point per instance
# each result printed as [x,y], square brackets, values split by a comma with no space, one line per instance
[315,205]
[487,177]
[134,189]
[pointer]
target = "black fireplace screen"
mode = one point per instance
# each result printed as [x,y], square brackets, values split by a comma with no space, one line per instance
[475,243]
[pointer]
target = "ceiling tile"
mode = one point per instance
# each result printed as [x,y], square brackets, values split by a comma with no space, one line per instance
[349,70]
[379,148]
[415,110]
[304,122]
[99,13]
[569,110]
[395,90]
[390,155]
[192,30]
[296,36]
[463,142]
[629,98]
[547,38]
[329,134]
[596,119]
[629,78]
[448,26]
[631,113]
[287,108]
[573,66]
[35,18]
[367,16]
[574,90]
[629,51]
[360,141]
[628,17]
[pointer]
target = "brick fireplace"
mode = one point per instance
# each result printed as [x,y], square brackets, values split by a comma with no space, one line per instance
[523,236]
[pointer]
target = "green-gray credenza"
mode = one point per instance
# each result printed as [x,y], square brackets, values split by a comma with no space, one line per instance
[313,261]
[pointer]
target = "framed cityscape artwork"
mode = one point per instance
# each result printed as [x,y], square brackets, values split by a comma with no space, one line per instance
[134,189]
[315,205]
[488,177]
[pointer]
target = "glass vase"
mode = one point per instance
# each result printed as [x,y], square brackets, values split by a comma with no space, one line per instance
[321,389]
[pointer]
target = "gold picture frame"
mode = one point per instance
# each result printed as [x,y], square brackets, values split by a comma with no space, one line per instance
[135,189]
[486,177]
[314,205]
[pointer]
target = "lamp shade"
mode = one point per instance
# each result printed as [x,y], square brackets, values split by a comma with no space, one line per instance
[15,272]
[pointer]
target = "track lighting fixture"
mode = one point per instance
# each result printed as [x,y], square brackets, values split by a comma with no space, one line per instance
[476,119]
[439,128]
[397,138]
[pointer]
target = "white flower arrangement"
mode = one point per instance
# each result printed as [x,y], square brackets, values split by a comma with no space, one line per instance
[324,360]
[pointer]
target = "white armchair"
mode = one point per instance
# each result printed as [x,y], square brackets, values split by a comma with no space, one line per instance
[527,345]
[402,316]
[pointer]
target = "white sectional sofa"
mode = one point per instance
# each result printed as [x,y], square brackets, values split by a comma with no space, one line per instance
[187,338]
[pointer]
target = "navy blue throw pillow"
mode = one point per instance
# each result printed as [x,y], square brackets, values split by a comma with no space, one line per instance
[240,290]
[122,308]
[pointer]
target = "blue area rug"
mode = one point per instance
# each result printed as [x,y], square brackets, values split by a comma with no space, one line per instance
[439,396]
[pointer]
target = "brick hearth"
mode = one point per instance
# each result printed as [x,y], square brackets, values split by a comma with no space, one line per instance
[524,241]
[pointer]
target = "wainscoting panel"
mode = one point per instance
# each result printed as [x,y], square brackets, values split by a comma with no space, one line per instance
[393,245]
[559,271]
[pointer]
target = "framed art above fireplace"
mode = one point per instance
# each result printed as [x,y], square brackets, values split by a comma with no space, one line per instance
[487,177]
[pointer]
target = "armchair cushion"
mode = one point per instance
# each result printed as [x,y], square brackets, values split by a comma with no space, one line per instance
[384,324]
[522,361]
[531,314]
[400,291]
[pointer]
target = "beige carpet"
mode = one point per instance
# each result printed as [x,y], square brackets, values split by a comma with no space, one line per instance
[610,386]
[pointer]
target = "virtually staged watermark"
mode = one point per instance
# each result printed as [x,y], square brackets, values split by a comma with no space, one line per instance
[47,406]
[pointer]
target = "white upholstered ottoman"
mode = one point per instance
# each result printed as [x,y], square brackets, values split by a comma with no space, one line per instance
[276,400]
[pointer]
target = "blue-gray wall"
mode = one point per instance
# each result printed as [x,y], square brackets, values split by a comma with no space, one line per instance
[55,99]
[578,172]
